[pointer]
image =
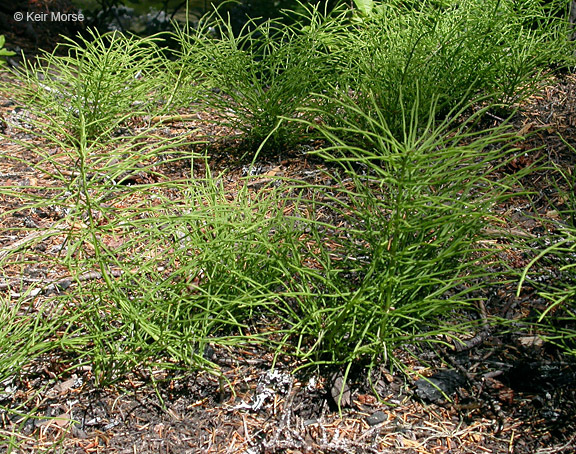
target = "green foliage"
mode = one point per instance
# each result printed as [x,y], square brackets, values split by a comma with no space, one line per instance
[252,79]
[557,322]
[331,274]
[415,208]
[3,51]
[24,336]
[449,55]
[365,7]
[186,266]
[214,286]
[445,53]
[98,83]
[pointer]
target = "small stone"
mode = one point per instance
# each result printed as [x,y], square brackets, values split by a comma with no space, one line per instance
[377,417]
[531,341]
[339,390]
[442,383]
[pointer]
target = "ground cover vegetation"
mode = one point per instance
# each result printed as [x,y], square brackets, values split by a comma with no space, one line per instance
[392,246]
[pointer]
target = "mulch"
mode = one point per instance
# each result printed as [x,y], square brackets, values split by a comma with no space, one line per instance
[510,393]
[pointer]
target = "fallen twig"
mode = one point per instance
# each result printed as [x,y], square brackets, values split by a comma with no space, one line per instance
[59,285]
